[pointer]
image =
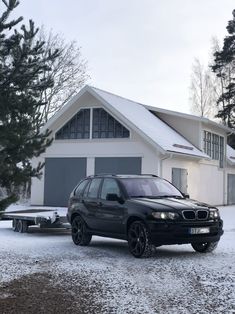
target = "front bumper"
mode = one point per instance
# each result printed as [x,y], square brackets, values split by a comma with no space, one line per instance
[164,233]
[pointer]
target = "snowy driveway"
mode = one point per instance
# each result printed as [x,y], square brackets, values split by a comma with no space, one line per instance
[44,272]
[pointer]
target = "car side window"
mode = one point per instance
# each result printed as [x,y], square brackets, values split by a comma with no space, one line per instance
[94,188]
[110,186]
[80,188]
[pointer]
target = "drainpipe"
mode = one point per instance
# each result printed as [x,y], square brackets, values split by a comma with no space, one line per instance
[225,200]
[169,156]
[224,182]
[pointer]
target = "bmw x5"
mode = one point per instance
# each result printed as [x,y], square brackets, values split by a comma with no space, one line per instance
[145,210]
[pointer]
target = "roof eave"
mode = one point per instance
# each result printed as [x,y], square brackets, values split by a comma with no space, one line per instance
[189,155]
[189,117]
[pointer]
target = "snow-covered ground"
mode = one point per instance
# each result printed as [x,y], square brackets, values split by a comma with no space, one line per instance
[175,280]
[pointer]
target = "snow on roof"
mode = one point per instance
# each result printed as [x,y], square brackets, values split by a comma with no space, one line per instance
[150,125]
[230,155]
[189,116]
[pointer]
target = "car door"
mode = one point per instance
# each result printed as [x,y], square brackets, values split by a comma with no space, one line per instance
[110,213]
[91,202]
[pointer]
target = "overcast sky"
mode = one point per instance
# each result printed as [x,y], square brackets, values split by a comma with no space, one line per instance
[142,50]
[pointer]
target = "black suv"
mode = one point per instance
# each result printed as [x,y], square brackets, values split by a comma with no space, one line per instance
[145,210]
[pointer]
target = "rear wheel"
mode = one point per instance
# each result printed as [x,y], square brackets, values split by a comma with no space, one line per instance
[139,241]
[79,232]
[205,247]
[19,225]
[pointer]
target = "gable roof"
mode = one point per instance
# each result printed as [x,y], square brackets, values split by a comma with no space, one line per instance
[231,155]
[152,128]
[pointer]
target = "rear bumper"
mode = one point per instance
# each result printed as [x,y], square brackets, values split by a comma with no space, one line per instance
[178,233]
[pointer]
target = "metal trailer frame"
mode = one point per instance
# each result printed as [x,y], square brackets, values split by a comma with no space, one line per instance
[43,218]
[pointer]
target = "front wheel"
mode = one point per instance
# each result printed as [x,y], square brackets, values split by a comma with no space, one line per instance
[205,247]
[79,232]
[139,240]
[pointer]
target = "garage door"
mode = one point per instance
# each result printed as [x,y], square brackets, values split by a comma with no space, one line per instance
[118,165]
[61,175]
[231,189]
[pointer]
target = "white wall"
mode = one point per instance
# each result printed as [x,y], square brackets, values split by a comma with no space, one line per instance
[205,179]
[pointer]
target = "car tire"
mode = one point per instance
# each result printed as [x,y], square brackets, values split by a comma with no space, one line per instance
[79,232]
[139,241]
[205,247]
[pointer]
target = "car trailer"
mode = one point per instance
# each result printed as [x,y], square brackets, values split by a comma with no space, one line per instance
[43,218]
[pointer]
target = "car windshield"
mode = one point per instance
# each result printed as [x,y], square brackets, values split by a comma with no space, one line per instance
[150,187]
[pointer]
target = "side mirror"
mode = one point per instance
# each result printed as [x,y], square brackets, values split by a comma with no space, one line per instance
[114,198]
[185,195]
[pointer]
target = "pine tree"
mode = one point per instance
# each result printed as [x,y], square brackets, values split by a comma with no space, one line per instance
[224,67]
[22,64]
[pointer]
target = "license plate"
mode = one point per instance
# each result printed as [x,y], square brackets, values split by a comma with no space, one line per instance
[199,230]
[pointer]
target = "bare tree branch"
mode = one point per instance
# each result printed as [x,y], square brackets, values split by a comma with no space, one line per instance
[69,73]
[202,96]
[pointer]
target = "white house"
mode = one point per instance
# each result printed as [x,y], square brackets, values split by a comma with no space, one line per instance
[99,132]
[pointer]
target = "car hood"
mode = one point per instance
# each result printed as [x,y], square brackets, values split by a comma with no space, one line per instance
[170,203]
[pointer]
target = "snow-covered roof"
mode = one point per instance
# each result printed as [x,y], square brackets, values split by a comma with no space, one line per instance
[230,155]
[151,126]
[189,116]
[139,117]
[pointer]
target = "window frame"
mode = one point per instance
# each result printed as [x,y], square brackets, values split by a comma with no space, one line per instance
[91,127]
[68,125]
[214,146]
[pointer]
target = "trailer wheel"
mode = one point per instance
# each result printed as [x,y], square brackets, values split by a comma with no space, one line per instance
[14,223]
[21,226]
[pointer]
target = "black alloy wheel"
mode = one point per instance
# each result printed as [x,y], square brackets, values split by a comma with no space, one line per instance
[205,247]
[139,240]
[79,232]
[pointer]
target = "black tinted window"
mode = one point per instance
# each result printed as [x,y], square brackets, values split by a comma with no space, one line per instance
[80,187]
[94,188]
[153,187]
[110,186]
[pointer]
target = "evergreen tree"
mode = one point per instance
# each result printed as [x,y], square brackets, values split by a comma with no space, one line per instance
[22,64]
[224,67]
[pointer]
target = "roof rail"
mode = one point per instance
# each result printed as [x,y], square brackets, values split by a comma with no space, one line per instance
[149,174]
[104,174]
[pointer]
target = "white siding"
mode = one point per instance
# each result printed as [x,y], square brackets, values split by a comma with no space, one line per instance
[205,180]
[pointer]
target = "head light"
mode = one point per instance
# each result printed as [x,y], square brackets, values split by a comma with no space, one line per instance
[214,213]
[165,215]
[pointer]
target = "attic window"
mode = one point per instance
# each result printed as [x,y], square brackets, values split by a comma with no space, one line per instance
[76,128]
[183,146]
[105,126]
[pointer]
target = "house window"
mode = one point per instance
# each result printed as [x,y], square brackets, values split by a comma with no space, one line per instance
[221,152]
[76,128]
[105,126]
[214,146]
